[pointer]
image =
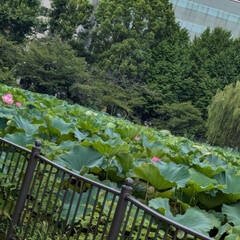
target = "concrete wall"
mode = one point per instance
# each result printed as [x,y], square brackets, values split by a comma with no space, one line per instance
[196,15]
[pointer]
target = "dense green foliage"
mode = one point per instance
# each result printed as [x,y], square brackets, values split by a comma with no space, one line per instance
[53,59]
[8,61]
[67,15]
[183,180]
[181,118]
[128,58]
[18,18]
[223,120]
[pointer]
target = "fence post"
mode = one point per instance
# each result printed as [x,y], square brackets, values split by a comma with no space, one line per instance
[120,210]
[24,189]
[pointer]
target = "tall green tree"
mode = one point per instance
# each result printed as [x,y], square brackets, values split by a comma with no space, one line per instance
[9,57]
[214,60]
[181,119]
[67,15]
[223,123]
[18,18]
[50,66]
[126,33]
[100,93]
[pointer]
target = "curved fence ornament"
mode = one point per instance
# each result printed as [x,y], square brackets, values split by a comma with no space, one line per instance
[40,199]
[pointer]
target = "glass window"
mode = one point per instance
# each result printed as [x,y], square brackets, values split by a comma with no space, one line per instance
[225,15]
[182,3]
[195,6]
[233,18]
[204,9]
[220,14]
[213,12]
[190,5]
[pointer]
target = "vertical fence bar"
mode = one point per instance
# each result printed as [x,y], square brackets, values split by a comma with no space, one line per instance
[120,210]
[24,189]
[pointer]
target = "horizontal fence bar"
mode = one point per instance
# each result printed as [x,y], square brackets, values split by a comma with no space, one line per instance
[82,178]
[165,219]
[15,145]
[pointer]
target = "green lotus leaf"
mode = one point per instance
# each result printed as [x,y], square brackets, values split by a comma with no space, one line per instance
[111,147]
[232,212]
[200,182]
[197,220]
[127,132]
[193,218]
[155,145]
[79,135]
[179,159]
[3,123]
[7,112]
[126,160]
[211,166]
[234,233]
[67,145]
[90,125]
[186,148]
[150,173]
[50,101]
[20,138]
[78,157]
[222,230]
[22,122]
[111,134]
[162,205]
[212,200]
[231,180]
[173,172]
[60,124]
[110,125]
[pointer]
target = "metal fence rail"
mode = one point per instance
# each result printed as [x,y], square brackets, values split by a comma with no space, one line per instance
[41,200]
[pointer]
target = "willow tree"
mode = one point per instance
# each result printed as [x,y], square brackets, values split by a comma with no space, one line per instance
[223,123]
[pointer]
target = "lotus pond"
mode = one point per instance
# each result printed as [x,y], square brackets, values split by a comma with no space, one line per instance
[192,183]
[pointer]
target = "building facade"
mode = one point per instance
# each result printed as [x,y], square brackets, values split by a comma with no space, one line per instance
[197,15]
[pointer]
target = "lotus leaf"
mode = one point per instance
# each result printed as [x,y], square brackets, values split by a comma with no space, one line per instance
[232,212]
[80,156]
[200,182]
[150,173]
[20,139]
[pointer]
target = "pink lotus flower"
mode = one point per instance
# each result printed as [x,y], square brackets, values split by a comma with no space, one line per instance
[156,159]
[9,95]
[18,104]
[137,138]
[8,98]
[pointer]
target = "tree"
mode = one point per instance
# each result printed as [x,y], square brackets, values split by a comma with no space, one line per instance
[8,61]
[126,33]
[100,93]
[223,123]
[67,15]
[214,61]
[18,18]
[181,119]
[50,66]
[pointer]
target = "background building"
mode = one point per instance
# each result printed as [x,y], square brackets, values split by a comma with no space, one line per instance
[197,15]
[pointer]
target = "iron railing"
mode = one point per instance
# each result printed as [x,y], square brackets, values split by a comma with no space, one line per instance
[42,200]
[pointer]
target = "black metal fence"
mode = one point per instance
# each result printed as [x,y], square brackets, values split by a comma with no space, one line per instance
[42,200]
